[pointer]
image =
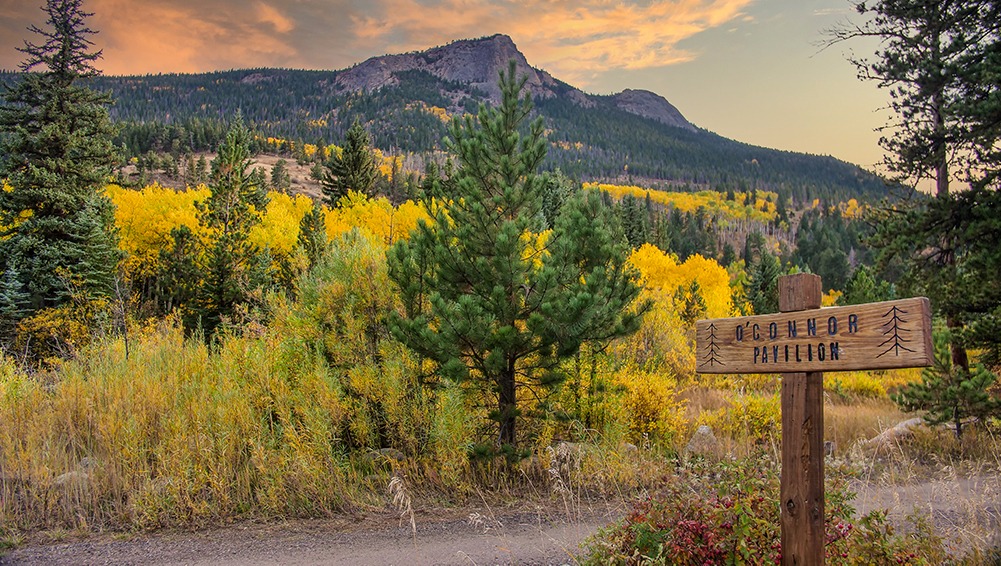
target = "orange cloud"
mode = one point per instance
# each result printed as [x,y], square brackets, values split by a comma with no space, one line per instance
[271,16]
[573,39]
[142,37]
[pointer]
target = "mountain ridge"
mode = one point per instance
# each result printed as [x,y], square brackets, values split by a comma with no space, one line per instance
[479,61]
[407,101]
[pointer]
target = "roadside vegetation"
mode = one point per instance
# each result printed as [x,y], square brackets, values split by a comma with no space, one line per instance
[481,330]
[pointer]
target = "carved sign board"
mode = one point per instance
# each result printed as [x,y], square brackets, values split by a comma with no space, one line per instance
[887,335]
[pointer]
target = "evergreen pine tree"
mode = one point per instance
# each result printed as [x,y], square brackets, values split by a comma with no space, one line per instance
[201,170]
[949,393]
[949,245]
[313,235]
[281,179]
[633,221]
[235,270]
[13,303]
[355,169]
[754,246]
[862,288]
[190,175]
[55,134]
[940,62]
[556,190]
[437,183]
[490,311]
[781,213]
[729,255]
[690,304]
[259,178]
[763,289]
[180,275]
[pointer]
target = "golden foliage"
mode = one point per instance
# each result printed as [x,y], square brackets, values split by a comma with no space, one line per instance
[563,144]
[662,274]
[145,219]
[535,247]
[377,217]
[750,416]
[59,333]
[852,209]
[279,226]
[830,298]
[665,339]
[653,410]
[763,209]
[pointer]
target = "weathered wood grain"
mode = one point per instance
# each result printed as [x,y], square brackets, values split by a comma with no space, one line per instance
[802,484]
[886,335]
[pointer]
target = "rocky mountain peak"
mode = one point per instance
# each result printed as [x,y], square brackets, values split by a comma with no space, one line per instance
[478,62]
[651,105]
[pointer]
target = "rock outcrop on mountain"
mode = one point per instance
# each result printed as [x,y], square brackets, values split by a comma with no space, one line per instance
[651,105]
[474,62]
[477,63]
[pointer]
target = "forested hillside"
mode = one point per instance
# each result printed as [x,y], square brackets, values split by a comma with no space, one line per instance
[598,142]
[591,137]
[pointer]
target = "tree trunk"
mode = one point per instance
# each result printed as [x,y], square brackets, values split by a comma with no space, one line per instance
[960,360]
[507,404]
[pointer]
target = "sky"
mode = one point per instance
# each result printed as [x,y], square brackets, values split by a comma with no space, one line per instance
[751,70]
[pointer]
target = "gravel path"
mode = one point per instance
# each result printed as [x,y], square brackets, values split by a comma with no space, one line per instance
[512,538]
[964,510]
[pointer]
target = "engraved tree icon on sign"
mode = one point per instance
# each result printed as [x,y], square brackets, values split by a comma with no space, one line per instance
[712,349]
[895,332]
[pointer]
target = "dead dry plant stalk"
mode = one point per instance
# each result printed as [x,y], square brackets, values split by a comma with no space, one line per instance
[403,503]
[564,468]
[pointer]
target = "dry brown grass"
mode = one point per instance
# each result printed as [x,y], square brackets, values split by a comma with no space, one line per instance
[702,399]
[953,484]
[846,425]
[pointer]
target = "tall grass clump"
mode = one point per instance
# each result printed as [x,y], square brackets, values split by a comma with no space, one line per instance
[170,436]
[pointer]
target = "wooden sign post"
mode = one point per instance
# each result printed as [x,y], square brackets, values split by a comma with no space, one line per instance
[801,342]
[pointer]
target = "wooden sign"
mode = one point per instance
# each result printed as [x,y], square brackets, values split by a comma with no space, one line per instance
[801,342]
[892,334]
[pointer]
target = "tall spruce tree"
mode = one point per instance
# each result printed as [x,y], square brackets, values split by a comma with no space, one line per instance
[13,299]
[56,224]
[313,235]
[354,169]
[281,179]
[235,269]
[492,310]
[940,60]
[763,288]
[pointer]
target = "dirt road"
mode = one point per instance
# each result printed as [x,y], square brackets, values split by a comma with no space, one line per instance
[511,538]
[966,511]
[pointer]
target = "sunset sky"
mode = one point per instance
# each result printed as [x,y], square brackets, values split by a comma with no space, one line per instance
[746,69]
